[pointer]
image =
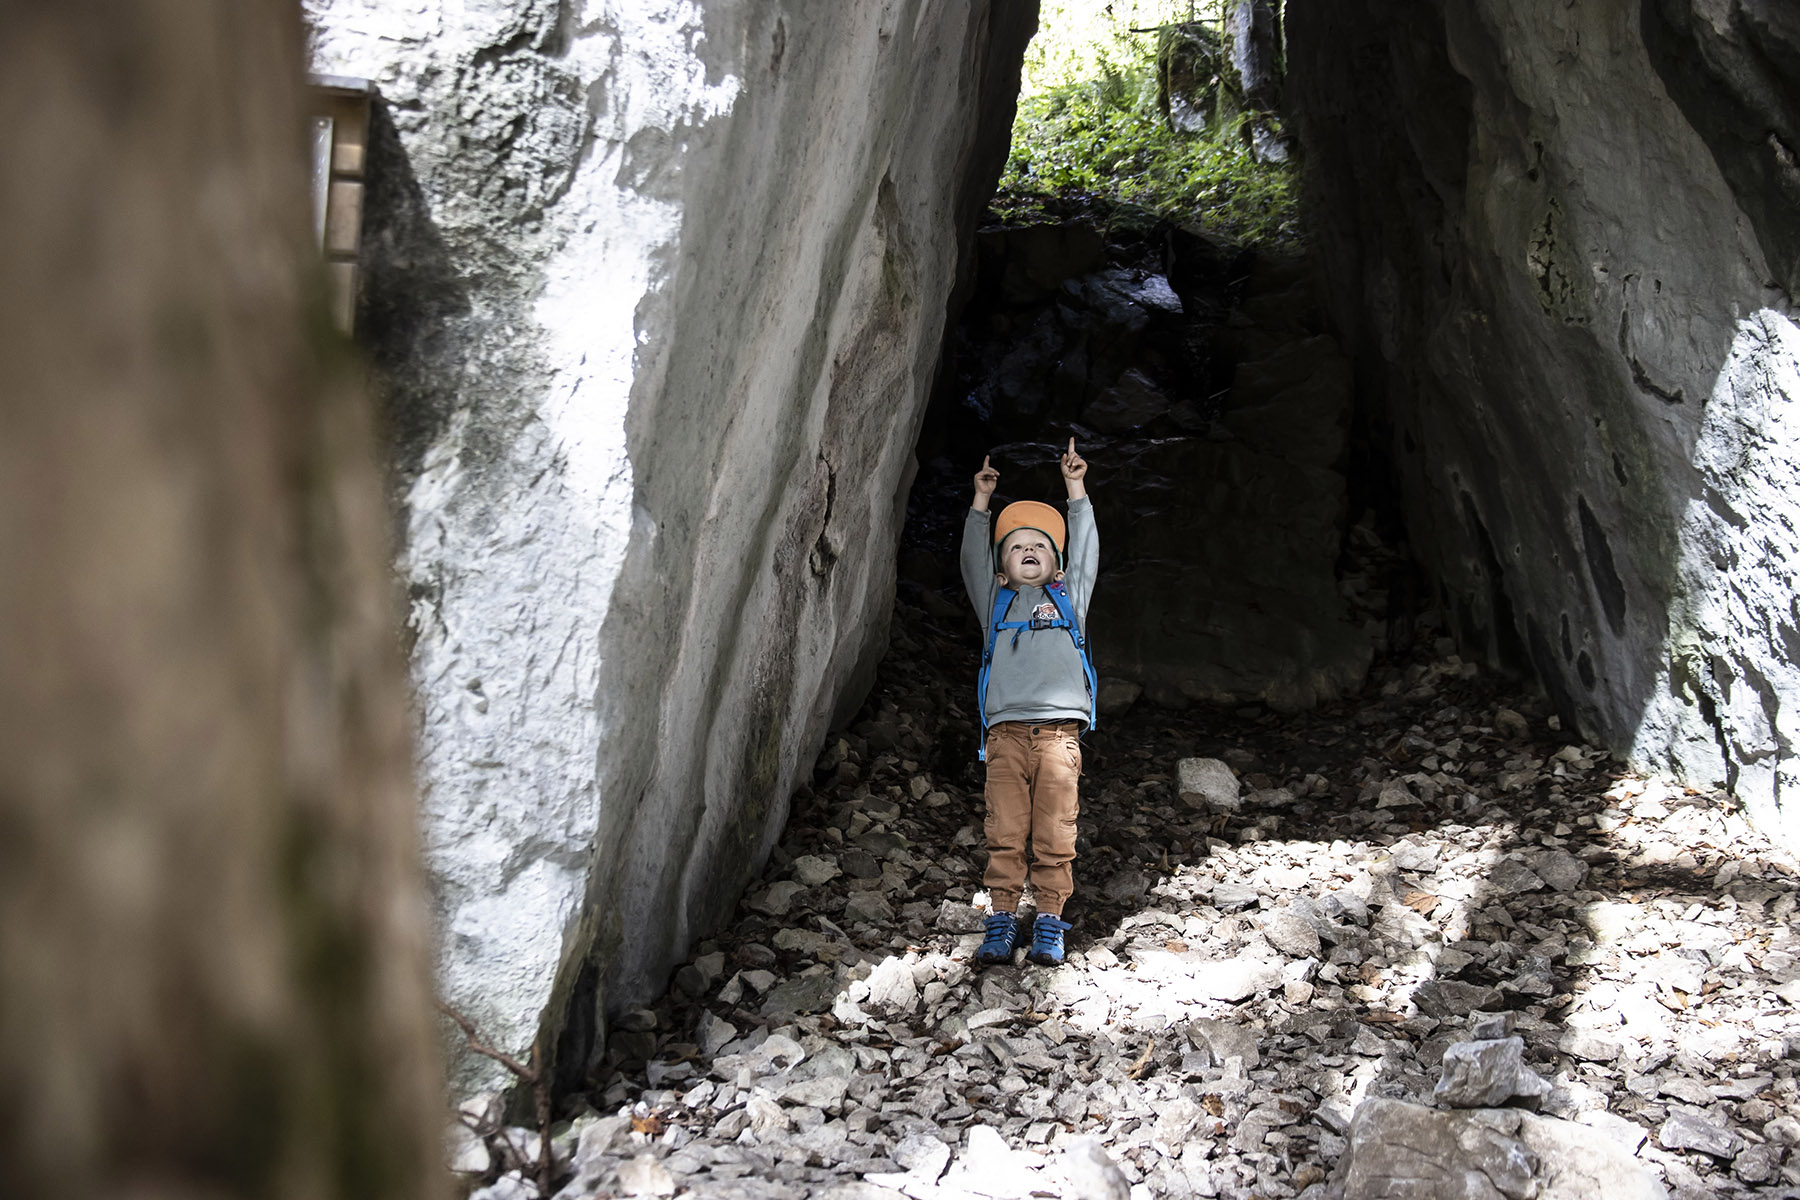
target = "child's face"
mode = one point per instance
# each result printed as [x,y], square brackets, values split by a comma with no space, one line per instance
[1027,559]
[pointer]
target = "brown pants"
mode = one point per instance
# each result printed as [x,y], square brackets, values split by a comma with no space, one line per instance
[1033,795]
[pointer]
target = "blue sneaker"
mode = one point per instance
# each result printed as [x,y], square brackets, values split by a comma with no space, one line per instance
[1047,940]
[1002,938]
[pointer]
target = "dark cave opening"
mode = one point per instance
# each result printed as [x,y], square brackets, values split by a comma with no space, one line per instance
[1252,550]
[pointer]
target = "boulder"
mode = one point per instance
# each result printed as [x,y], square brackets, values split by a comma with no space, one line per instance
[1291,933]
[597,314]
[1208,781]
[1401,1151]
[1295,407]
[1033,261]
[1226,1039]
[1442,998]
[1685,1130]
[1488,1073]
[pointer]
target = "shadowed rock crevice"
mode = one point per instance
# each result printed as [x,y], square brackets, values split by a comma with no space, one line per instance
[411,301]
[1600,567]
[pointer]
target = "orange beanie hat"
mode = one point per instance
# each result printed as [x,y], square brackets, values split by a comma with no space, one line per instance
[1030,514]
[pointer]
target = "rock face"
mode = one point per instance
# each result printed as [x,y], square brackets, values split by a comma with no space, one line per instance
[656,292]
[1562,243]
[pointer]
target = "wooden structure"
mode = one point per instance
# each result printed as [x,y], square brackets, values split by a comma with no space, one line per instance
[340,143]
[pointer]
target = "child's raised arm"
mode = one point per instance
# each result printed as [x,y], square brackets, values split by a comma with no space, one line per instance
[1074,473]
[977,551]
[986,480]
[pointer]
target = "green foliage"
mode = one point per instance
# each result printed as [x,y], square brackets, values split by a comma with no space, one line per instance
[1103,141]
[1085,39]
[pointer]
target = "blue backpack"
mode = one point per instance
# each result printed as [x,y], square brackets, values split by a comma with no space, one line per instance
[1003,599]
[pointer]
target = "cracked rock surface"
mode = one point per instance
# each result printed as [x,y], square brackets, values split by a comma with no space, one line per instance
[1426,887]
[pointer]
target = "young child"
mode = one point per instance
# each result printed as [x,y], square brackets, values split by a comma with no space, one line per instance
[1030,586]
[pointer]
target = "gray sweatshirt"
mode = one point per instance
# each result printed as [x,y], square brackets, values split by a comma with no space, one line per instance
[1041,679]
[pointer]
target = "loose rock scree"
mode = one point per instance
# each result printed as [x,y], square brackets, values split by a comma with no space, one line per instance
[1428,895]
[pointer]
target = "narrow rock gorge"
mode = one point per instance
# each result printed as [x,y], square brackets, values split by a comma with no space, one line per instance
[689,342]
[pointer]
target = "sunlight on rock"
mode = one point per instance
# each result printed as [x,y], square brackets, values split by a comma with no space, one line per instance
[1726,710]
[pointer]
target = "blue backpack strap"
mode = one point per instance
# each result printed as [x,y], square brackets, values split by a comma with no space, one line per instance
[1059,596]
[1003,598]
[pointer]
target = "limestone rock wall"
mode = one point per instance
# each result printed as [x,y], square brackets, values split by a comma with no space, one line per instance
[657,292]
[1562,240]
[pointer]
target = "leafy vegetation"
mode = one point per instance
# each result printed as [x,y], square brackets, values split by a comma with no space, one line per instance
[1091,131]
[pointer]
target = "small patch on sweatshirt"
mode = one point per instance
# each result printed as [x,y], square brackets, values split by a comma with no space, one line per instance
[1045,612]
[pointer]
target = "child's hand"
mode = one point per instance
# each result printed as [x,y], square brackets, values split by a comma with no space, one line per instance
[1074,472]
[986,480]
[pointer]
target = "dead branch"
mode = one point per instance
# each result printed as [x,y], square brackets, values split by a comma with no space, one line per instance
[525,1073]
[1177,25]
[533,1074]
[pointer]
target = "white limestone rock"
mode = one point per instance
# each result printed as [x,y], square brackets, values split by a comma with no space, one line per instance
[1398,1148]
[892,988]
[644,1175]
[1291,933]
[1209,781]
[1092,1172]
[464,1153]
[654,407]
[813,870]
[1487,1073]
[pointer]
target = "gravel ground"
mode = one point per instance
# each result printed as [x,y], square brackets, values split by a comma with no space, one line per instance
[1243,972]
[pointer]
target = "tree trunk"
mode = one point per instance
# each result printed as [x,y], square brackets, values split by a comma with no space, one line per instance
[1256,53]
[212,967]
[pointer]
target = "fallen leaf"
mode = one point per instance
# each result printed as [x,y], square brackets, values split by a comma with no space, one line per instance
[1421,902]
[1176,947]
